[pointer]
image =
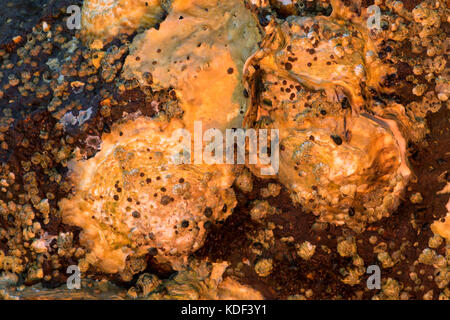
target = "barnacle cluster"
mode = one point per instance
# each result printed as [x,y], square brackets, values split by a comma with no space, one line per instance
[341,56]
[163,207]
[200,281]
[316,79]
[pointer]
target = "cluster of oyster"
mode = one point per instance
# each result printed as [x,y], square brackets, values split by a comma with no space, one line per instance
[199,50]
[132,198]
[312,78]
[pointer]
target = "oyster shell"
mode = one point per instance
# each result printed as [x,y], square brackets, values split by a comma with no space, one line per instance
[132,198]
[343,179]
[201,280]
[199,50]
[344,164]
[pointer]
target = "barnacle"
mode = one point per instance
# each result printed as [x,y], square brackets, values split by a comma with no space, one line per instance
[199,50]
[105,19]
[133,198]
[344,169]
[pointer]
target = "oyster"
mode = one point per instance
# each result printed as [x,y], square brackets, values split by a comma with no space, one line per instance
[199,50]
[133,198]
[105,19]
[326,53]
[343,179]
[309,80]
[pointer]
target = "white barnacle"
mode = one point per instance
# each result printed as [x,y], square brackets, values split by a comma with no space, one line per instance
[360,71]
